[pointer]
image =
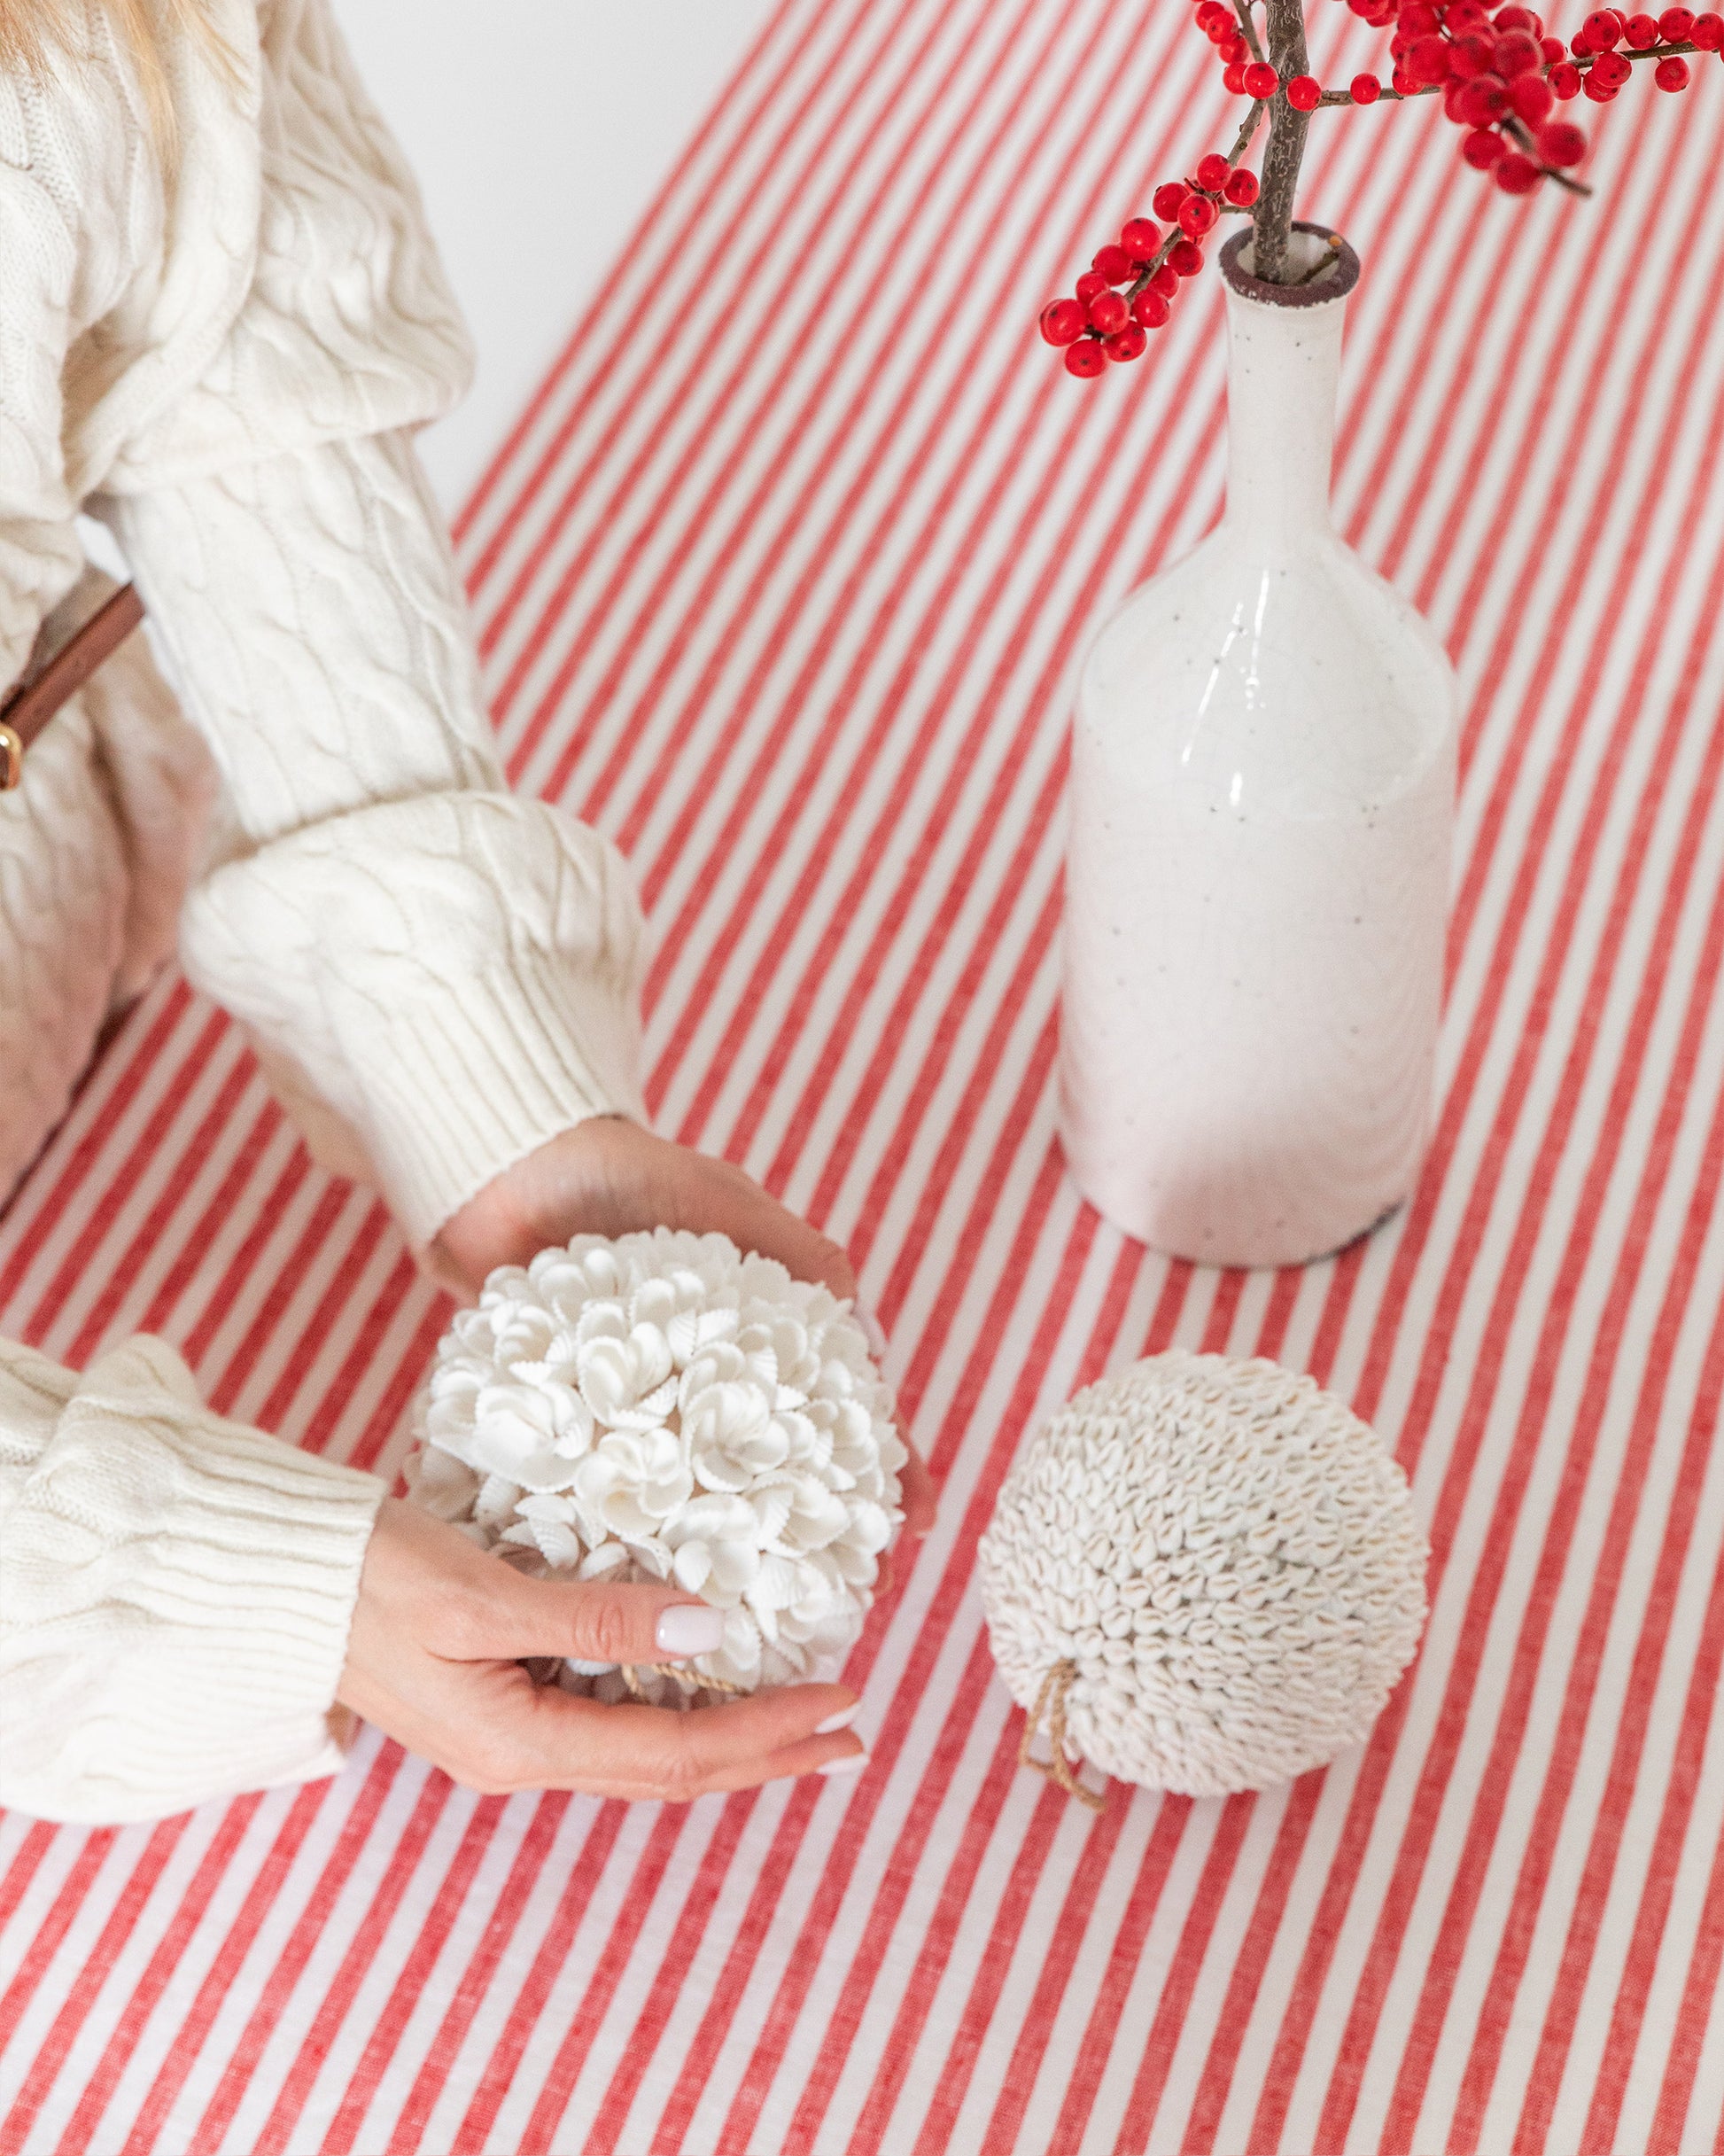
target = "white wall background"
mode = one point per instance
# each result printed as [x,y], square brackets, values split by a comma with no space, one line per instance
[539,130]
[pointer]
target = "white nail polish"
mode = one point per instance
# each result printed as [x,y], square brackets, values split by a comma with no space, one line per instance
[850,1762]
[842,1719]
[690,1628]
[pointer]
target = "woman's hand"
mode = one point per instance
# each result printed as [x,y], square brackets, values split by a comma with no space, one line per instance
[609,1177]
[433,1659]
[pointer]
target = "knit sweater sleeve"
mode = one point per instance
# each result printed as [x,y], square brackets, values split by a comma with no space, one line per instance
[175,1592]
[439,975]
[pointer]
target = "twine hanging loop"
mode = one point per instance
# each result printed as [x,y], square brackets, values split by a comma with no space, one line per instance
[1051,1701]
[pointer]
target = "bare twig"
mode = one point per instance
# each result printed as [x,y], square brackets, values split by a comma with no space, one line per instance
[1247,28]
[1322,263]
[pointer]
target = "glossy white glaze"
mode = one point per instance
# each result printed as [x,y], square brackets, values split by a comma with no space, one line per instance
[1257,873]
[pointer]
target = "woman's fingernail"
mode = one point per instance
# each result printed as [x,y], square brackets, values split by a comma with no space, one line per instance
[842,1719]
[875,1330]
[691,1627]
[847,1762]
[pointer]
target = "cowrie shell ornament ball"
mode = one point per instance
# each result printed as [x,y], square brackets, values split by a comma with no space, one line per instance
[661,1406]
[1222,1564]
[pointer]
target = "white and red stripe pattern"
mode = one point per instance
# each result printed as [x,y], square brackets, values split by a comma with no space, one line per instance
[784,580]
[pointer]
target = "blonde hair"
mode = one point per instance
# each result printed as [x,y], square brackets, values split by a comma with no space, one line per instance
[32,31]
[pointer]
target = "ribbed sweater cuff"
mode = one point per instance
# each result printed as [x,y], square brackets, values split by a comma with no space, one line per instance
[175,1604]
[462,1087]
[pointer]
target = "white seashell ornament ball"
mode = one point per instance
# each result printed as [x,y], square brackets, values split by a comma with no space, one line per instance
[661,1406]
[1204,1575]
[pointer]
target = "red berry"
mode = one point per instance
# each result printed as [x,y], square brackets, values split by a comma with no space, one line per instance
[1600,93]
[1561,144]
[1212,171]
[1107,313]
[1612,70]
[1473,55]
[1516,18]
[1232,52]
[1184,258]
[1484,101]
[1091,285]
[1197,214]
[1601,30]
[1365,89]
[1241,189]
[1115,265]
[1708,32]
[1517,53]
[1166,280]
[1532,98]
[1671,74]
[1261,80]
[1552,49]
[1140,238]
[1428,61]
[1418,20]
[1482,148]
[1516,174]
[1232,80]
[1643,32]
[1453,97]
[1564,81]
[1085,359]
[1062,322]
[1126,344]
[1150,308]
[1674,25]
[1305,91]
[1166,198]
[1579,45]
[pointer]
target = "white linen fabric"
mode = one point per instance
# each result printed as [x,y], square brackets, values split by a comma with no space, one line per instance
[220,353]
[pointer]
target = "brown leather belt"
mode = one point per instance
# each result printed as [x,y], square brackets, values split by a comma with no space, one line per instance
[30,705]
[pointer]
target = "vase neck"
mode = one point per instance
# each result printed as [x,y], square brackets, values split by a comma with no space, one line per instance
[1283,365]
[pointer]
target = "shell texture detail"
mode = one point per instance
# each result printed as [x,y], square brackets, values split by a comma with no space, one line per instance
[661,1406]
[1229,1558]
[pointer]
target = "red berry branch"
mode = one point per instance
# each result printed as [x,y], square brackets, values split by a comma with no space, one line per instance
[1501,77]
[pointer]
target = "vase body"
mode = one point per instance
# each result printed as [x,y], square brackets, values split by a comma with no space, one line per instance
[1261,808]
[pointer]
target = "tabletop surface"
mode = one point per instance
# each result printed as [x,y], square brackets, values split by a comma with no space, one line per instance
[783,581]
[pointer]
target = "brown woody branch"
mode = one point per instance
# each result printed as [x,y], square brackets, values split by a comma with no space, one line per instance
[1279,179]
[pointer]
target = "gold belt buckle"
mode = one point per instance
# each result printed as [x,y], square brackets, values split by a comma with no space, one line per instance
[12,758]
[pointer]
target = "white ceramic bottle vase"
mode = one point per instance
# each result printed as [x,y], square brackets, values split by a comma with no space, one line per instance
[1257,874]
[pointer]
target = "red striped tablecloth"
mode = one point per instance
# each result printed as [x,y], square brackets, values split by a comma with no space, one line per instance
[784,580]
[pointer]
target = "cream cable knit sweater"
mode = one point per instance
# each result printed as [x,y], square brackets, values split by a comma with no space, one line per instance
[222,364]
